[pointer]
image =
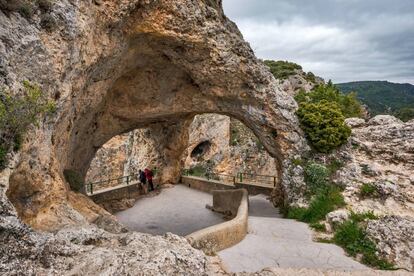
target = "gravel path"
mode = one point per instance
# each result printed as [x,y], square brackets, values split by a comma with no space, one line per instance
[276,242]
[179,210]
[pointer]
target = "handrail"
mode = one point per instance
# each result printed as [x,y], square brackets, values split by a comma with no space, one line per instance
[91,186]
[238,178]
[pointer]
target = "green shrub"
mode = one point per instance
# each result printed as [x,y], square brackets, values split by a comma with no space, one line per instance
[348,103]
[282,69]
[368,190]
[353,238]
[310,77]
[334,166]
[360,217]
[316,177]
[75,180]
[17,113]
[198,170]
[323,203]
[318,226]
[324,125]
[405,114]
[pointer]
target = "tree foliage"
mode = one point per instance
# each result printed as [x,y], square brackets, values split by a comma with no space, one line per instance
[282,69]
[382,97]
[324,125]
[348,103]
[17,113]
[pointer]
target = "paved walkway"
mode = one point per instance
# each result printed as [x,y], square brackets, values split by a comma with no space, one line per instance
[276,242]
[179,210]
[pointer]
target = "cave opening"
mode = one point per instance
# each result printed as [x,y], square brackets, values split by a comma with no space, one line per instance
[201,149]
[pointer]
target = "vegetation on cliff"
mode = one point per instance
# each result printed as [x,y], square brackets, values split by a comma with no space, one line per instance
[284,69]
[17,113]
[382,97]
[322,114]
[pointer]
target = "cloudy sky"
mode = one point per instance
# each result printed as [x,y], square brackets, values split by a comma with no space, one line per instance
[342,40]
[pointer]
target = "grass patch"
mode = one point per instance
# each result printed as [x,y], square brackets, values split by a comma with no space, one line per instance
[368,190]
[334,166]
[324,240]
[353,238]
[323,203]
[197,170]
[317,226]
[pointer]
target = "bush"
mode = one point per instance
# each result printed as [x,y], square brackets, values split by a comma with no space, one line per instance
[282,69]
[75,180]
[334,166]
[316,177]
[17,113]
[324,125]
[318,226]
[353,238]
[348,103]
[198,170]
[368,190]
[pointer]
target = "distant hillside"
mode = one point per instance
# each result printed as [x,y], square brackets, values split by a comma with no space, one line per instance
[384,97]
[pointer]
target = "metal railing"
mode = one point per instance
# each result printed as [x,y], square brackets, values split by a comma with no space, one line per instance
[244,178]
[111,183]
[259,179]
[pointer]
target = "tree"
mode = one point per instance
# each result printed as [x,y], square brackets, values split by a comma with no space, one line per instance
[17,113]
[323,124]
[349,104]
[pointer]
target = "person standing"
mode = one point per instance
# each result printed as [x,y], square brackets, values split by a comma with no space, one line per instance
[142,179]
[149,175]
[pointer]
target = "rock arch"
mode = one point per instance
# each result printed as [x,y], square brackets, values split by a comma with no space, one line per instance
[137,64]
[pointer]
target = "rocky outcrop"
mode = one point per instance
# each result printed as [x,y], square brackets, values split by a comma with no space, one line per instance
[380,154]
[394,237]
[121,65]
[112,67]
[92,251]
[233,148]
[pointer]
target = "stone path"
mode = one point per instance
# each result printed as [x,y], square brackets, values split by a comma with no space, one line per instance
[179,210]
[276,242]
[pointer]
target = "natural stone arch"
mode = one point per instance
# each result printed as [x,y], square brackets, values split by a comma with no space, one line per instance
[161,63]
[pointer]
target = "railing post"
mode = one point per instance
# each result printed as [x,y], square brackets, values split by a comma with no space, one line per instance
[234,180]
[241,177]
[91,188]
[127,180]
[274,181]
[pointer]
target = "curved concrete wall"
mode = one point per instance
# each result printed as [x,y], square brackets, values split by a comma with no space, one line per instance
[226,234]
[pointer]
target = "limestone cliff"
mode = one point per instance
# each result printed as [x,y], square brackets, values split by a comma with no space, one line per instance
[112,67]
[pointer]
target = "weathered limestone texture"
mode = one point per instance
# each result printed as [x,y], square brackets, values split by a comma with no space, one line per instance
[112,67]
[128,64]
[380,153]
[395,239]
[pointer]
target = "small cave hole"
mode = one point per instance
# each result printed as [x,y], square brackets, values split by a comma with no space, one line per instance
[201,149]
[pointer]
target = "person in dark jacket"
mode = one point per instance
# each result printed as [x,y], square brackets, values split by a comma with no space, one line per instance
[149,175]
[142,179]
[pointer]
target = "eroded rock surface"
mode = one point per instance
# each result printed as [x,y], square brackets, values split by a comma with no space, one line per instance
[394,237]
[380,153]
[112,67]
[130,64]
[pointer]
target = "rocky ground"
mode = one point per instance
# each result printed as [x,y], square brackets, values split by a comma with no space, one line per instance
[376,170]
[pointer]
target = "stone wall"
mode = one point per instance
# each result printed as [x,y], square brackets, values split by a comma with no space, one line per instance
[226,234]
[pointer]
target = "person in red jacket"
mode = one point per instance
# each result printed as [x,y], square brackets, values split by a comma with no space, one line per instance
[149,175]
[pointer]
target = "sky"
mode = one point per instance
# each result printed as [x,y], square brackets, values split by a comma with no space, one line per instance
[342,40]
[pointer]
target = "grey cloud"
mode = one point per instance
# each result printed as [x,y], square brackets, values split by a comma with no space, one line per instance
[343,40]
